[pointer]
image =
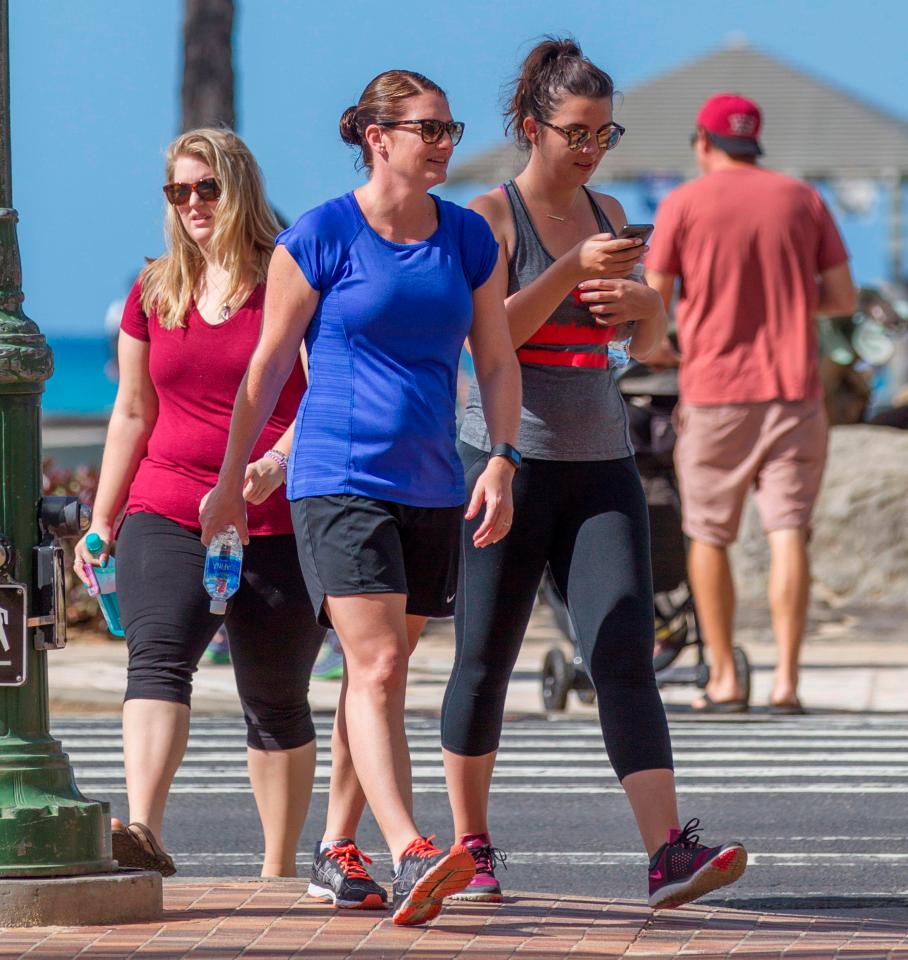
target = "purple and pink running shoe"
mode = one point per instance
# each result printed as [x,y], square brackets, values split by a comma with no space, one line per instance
[484,887]
[684,869]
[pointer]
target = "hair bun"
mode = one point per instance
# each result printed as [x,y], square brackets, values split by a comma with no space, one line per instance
[554,48]
[349,131]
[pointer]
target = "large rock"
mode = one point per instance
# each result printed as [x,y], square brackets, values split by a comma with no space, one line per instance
[860,541]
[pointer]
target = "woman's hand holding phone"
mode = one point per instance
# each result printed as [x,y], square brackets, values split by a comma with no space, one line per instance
[605,256]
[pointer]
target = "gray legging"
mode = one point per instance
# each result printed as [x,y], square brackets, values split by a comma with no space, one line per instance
[588,522]
[274,638]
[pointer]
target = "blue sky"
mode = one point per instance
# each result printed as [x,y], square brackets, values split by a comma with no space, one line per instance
[95,100]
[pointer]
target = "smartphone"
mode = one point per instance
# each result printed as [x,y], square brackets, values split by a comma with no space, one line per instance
[630,230]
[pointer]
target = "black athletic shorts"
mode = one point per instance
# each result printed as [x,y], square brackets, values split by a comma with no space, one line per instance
[350,545]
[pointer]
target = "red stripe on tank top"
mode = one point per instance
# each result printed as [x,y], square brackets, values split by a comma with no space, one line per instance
[561,358]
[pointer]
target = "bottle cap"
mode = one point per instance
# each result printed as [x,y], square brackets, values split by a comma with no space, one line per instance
[218,606]
[94,543]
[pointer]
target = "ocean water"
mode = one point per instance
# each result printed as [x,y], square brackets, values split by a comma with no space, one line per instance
[81,384]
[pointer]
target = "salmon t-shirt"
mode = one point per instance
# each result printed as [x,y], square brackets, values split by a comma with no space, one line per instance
[748,245]
[196,371]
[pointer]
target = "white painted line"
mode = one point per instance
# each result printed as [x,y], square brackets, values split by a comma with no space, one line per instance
[596,757]
[827,789]
[565,773]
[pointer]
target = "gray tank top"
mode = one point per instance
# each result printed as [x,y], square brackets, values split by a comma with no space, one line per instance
[569,412]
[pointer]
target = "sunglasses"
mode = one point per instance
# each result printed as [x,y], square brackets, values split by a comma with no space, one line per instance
[431,131]
[607,137]
[179,193]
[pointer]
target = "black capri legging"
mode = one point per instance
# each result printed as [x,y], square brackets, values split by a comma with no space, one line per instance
[586,520]
[274,638]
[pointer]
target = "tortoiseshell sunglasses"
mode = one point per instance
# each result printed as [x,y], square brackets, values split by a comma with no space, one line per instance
[431,131]
[179,193]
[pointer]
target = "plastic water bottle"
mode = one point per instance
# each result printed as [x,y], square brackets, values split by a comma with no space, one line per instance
[223,566]
[104,585]
[619,351]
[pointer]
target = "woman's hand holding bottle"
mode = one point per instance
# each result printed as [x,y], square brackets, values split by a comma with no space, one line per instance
[613,302]
[84,558]
[220,507]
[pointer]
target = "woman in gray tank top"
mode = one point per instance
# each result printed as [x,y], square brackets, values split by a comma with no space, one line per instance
[579,507]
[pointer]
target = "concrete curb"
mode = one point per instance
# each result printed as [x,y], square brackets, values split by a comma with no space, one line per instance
[127,896]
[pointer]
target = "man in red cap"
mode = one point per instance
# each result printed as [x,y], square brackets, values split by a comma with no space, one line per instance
[758,256]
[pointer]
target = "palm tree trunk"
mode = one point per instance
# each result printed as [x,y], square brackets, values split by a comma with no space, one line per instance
[208,64]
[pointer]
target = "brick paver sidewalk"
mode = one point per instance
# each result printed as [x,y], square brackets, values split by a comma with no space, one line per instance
[273,920]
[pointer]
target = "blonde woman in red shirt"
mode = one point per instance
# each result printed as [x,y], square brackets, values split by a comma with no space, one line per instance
[190,324]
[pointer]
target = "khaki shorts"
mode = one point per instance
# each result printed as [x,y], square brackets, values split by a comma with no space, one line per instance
[778,448]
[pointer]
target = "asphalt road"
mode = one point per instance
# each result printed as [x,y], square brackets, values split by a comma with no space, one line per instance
[819,801]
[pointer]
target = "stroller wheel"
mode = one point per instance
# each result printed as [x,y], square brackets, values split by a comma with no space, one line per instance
[742,670]
[557,680]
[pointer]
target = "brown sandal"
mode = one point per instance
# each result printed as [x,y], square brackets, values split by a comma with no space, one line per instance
[137,847]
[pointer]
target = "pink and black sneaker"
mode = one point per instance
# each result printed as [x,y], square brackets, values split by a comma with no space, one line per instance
[484,887]
[683,869]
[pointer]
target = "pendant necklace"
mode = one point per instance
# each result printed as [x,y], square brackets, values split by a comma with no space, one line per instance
[552,216]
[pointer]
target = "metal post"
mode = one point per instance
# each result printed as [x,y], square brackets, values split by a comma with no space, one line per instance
[47,828]
[893,182]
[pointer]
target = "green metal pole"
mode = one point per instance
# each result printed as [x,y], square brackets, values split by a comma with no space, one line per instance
[47,828]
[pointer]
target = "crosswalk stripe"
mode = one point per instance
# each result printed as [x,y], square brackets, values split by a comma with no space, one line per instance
[810,756]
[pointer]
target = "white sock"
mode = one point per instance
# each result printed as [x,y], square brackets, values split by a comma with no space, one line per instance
[325,844]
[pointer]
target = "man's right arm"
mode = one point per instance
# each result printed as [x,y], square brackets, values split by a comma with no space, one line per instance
[838,297]
[663,355]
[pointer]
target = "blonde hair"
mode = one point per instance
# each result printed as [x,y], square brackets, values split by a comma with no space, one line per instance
[244,228]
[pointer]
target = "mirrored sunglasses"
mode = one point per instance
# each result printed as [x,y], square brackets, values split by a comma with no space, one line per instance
[607,137]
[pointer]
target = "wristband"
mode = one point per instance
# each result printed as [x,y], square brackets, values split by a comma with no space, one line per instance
[511,454]
[279,458]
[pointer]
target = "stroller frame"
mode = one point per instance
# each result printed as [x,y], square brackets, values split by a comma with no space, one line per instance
[652,398]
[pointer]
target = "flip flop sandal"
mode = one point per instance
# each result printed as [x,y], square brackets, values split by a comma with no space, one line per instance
[136,846]
[720,706]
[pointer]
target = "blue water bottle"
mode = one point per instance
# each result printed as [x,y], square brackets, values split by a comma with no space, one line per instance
[104,585]
[223,566]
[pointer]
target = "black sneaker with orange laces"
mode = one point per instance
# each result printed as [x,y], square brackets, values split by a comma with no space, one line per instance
[338,875]
[684,869]
[425,876]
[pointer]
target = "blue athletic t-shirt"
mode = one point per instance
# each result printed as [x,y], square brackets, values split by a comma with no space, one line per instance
[378,418]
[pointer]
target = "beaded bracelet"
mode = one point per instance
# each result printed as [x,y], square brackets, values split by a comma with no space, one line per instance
[279,458]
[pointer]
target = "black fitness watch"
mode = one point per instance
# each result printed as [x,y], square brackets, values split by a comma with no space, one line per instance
[511,454]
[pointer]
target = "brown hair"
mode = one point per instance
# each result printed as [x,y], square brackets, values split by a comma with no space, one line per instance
[382,100]
[553,68]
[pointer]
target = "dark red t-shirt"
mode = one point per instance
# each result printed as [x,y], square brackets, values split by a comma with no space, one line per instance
[196,371]
[748,244]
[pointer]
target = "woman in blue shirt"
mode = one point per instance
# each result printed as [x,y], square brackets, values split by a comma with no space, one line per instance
[385,283]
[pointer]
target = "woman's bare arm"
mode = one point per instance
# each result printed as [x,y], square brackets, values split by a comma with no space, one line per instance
[131,422]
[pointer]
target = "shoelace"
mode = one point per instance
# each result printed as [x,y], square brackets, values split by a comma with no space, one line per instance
[421,847]
[687,837]
[350,858]
[487,857]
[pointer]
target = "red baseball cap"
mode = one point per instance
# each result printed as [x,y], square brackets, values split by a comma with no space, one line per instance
[733,123]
